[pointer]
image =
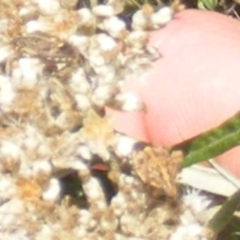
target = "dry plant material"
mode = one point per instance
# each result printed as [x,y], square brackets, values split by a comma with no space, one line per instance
[61,63]
[49,49]
[157,168]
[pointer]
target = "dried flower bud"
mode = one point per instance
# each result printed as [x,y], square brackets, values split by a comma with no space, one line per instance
[124,145]
[103,10]
[101,95]
[84,152]
[140,20]
[86,219]
[7,93]
[161,17]
[48,7]
[28,13]
[82,102]
[28,189]
[8,188]
[10,156]
[53,191]
[5,52]
[87,21]
[42,170]
[129,102]
[137,39]
[68,4]
[94,193]
[30,69]
[34,26]
[81,42]
[115,27]
[119,204]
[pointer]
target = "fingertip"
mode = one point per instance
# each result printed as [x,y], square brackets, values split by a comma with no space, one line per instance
[130,123]
[230,160]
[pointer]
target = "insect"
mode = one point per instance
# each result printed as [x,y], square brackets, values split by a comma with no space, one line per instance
[157,168]
[55,54]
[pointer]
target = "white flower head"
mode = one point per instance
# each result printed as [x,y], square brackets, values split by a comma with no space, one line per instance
[196,201]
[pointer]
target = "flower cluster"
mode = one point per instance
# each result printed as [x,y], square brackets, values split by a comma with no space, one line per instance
[61,64]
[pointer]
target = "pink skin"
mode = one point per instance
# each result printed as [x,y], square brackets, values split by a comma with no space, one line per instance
[194,87]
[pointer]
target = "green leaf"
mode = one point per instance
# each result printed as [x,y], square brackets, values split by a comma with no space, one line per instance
[207,4]
[212,143]
[221,219]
